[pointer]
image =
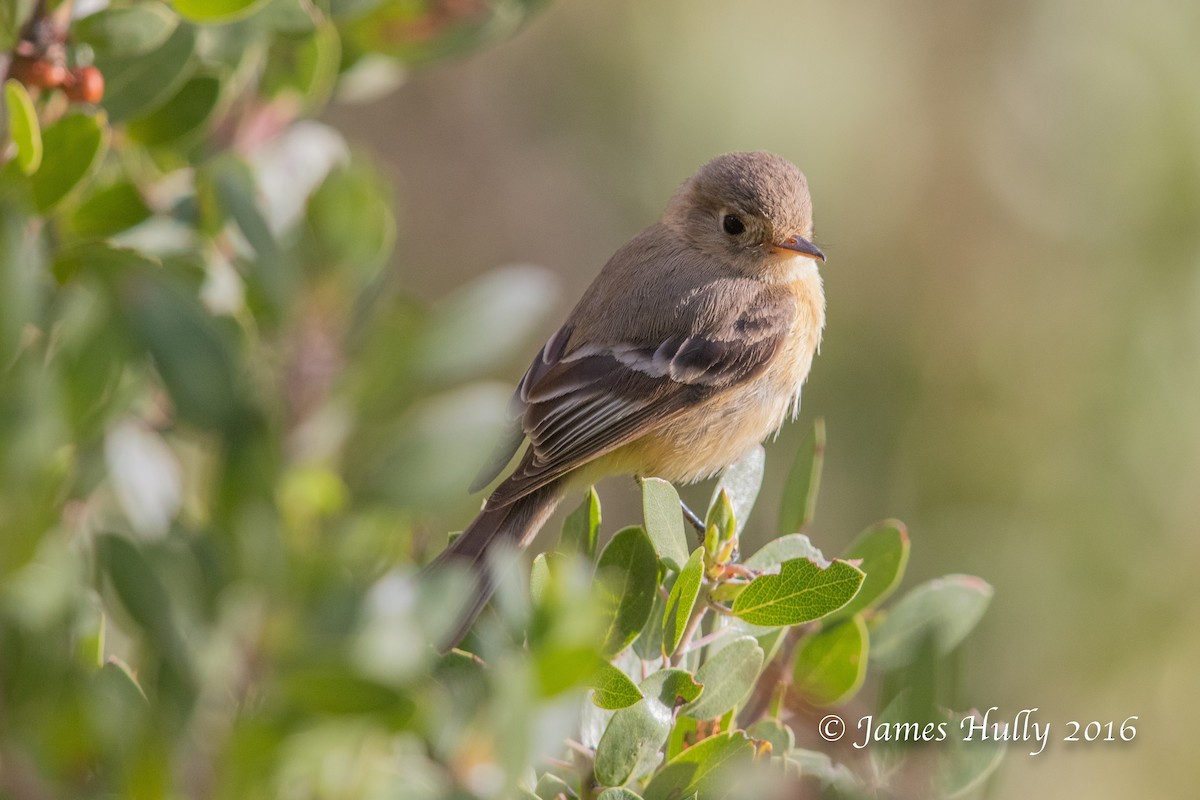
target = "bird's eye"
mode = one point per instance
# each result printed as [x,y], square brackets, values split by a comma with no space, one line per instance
[733,225]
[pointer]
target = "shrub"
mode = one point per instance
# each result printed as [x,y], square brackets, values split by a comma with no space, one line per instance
[222,436]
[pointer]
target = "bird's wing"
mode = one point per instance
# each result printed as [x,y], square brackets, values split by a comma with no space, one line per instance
[578,404]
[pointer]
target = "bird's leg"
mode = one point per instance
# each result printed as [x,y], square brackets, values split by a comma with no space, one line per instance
[692,518]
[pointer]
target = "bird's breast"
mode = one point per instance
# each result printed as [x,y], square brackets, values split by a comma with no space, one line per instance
[705,439]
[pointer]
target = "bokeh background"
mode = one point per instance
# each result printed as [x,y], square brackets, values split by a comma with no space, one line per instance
[1009,195]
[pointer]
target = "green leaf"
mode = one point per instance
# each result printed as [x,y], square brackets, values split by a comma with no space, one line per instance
[741,481]
[702,770]
[135,86]
[664,521]
[73,147]
[832,664]
[720,520]
[552,787]
[618,793]
[675,686]
[350,216]
[649,644]
[304,65]
[126,30]
[582,526]
[941,611]
[334,689]
[785,548]
[141,593]
[13,16]
[613,688]
[728,677]
[631,742]
[216,11]
[23,126]
[803,482]
[182,117]
[110,210]
[194,359]
[682,600]
[227,187]
[882,550]
[775,733]
[837,777]
[115,676]
[539,578]
[628,575]
[965,765]
[683,734]
[801,592]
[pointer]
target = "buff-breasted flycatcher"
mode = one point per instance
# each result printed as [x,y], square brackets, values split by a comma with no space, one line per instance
[688,349]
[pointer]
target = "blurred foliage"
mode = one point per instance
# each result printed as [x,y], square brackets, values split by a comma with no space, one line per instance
[225,435]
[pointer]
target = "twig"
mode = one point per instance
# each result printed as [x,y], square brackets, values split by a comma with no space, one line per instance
[580,747]
[688,633]
[705,640]
[693,519]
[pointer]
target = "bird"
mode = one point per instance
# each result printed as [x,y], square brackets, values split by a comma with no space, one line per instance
[688,349]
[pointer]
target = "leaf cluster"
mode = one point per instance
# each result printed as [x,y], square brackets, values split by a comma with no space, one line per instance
[718,665]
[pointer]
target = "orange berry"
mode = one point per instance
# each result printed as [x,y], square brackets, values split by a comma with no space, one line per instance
[40,74]
[86,85]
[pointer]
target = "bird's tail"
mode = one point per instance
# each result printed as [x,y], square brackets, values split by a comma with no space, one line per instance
[515,524]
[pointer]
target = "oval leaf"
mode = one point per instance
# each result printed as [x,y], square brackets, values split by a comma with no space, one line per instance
[212,11]
[682,600]
[141,593]
[613,689]
[649,644]
[552,787]
[728,677]
[801,592]
[803,482]
[775,733]
[109,210]
[704,769]
[353,228]
[184,114]
[786,548]
[618,793]
[125,30]
[73,147]
[664,521]
[628,571]
[195,361]
[882,550]
[966,764]
[634,736]
[832,664]
[134,86]
[23,126]
[942,611]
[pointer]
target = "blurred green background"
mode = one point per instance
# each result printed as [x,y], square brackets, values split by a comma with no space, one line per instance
[1009,195]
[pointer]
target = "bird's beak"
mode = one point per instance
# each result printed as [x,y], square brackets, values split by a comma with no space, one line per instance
[802,246]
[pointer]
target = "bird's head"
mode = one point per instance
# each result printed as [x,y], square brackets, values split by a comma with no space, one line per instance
[751,210]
